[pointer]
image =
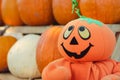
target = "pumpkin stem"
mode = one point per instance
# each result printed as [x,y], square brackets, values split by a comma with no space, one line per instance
[75,8]
[74,5]
[4,30]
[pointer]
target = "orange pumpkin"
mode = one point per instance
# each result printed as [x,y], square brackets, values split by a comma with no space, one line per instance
[62,10]
[86,39]
[36,12]
[47,49]
[6,43]
[106,11]
[10,13]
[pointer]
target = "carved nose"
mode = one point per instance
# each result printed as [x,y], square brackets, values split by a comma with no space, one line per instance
[74,41]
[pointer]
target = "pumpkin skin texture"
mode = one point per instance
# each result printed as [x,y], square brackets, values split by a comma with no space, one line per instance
[6,42]
[106,11]
[47,49]
[10,13]
[22,57]
[62,10]
[86,39]
[36,12]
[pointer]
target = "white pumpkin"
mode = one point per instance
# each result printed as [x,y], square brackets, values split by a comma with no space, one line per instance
[22,57]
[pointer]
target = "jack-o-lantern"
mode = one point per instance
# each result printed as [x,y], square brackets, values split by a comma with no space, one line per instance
[85,39]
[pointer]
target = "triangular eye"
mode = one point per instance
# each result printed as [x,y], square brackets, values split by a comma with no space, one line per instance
[68,32]
[84,32]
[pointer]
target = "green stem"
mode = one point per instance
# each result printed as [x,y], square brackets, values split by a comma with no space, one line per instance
[78,13]
[74,5]
[75,8]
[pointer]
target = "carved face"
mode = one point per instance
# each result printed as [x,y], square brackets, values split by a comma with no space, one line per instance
[86,39]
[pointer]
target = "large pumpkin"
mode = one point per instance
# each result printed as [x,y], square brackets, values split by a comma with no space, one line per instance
[22,57]
[86,39]
[10,14]
[107,11]
[47,49]
[6,42]
[36,12]
[62,10]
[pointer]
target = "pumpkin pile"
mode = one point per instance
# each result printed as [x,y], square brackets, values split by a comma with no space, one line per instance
[86,45]
[28,56]
[47,12]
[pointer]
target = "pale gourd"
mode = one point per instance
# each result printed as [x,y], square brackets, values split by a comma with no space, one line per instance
[22,57]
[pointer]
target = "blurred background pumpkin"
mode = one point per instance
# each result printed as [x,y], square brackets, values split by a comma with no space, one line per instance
[47,12]
[10,14]
[47,49]
[36,12]
[107,11]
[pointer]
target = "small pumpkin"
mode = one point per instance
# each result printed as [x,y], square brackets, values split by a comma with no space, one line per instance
[22,57]
[62,10]
[106,11]
[85,39]
[10,14]
[6,42]
[47,49]
[36,12]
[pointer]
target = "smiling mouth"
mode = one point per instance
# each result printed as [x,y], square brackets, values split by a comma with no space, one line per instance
[75,55]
